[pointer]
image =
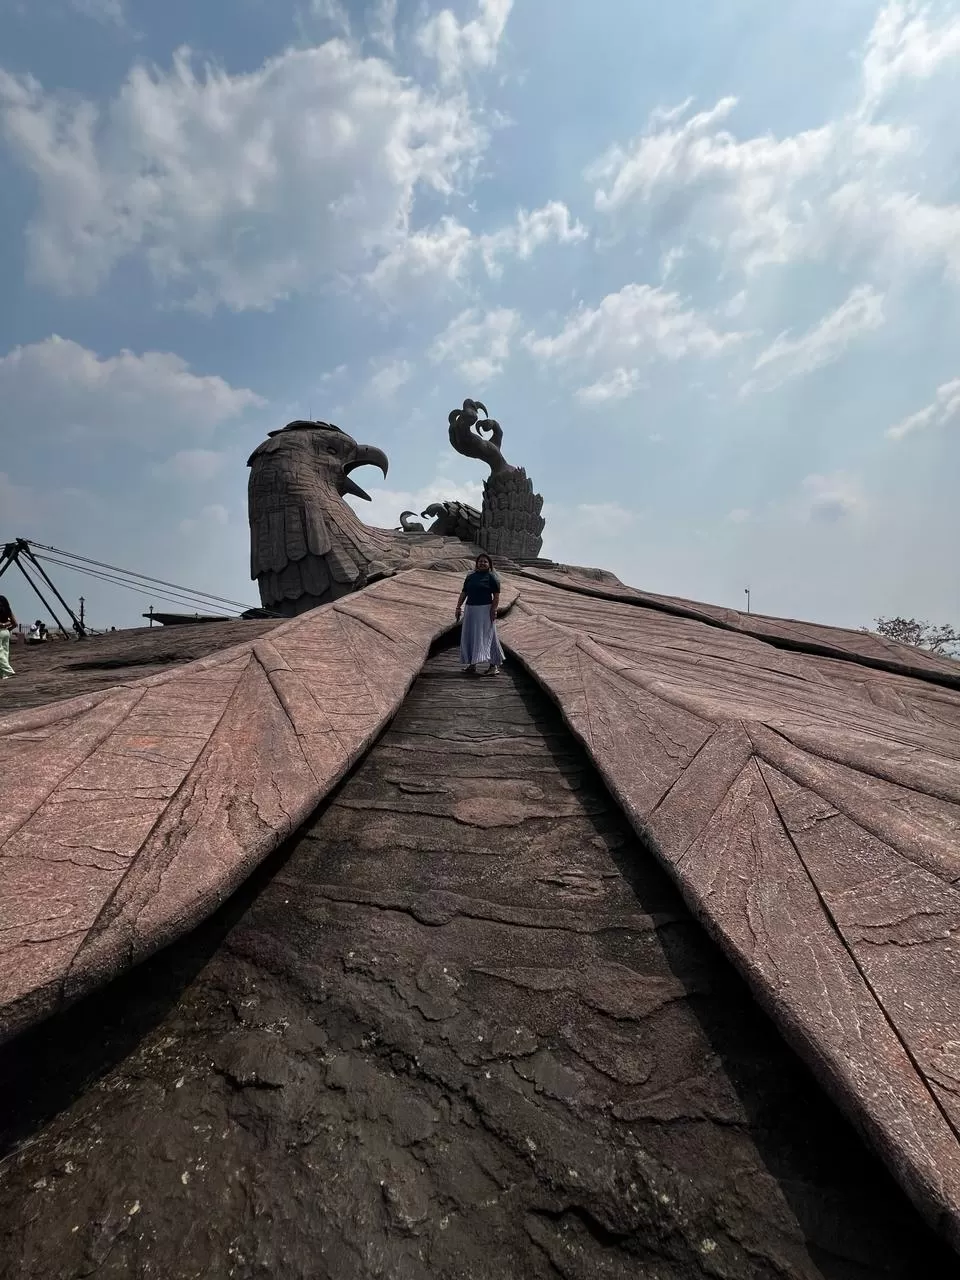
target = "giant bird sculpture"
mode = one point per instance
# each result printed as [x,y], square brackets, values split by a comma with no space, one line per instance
[469,970]
[308,546]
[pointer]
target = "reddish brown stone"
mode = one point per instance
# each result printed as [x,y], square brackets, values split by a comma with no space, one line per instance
[810,816]
[130,814]
[801,784]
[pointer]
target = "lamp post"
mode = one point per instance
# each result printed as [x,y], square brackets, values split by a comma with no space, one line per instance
[746,592]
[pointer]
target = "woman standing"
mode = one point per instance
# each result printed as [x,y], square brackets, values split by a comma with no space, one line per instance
[7,623]
[478,635]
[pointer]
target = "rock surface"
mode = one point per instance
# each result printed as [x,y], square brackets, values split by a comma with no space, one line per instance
[802,789]
[127,815]
[62,669]
[463,1026]
[867,650]
[810,812]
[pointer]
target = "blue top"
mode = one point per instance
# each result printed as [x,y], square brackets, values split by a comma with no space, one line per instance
[481,586]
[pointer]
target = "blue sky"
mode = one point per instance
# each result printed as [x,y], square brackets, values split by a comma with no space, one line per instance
[702,262]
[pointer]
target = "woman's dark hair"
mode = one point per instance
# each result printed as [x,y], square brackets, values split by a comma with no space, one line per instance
[5,610]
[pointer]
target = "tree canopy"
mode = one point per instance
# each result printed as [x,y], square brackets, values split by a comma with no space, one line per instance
[942,639]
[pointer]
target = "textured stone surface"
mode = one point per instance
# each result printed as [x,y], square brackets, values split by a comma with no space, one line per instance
[127,815]
[453,520]
[808,806]
[63,669]
[308,546]
[511,521]
[864,648]
[464,1026]
[810,812]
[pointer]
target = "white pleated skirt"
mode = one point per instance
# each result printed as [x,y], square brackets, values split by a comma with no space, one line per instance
[479,642]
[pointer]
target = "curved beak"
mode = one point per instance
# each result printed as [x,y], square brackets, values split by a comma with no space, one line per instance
[365,456]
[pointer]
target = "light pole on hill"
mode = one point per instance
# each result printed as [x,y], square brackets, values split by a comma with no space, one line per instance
[746,592]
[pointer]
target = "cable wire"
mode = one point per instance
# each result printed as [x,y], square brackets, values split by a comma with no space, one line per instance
[142,577]
[188,601]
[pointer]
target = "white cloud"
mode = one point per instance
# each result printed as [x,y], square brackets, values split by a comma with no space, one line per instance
[830,499]
[619,384]
[635,325]
[477,343]
[473,45]
[944,408]
[382,24]
[386,382]
[238,189]
[787,357]
[530,231]
[739,515]
[196,466]
[670,261]
[445,253]
[589,533]
[101,10]
[62,387]
[849,188]
[440,256]
[608,518]
[898,228]
[383,509]
[679,165]
[214,516]
[904,45]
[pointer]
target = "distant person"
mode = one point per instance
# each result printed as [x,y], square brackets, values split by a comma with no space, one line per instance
[7,624]
[478,635]
[37,633]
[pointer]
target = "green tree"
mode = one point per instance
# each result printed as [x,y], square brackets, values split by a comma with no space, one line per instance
[944,640]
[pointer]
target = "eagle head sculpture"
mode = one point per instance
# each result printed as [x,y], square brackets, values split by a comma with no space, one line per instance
[307,546]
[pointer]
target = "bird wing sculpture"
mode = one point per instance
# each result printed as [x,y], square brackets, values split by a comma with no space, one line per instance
[306,545]
[454,520]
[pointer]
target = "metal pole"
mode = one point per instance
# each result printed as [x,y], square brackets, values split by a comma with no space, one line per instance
[20,566]
[81,611]
[77,624]
[9,557]
[151,615]
[746,592]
